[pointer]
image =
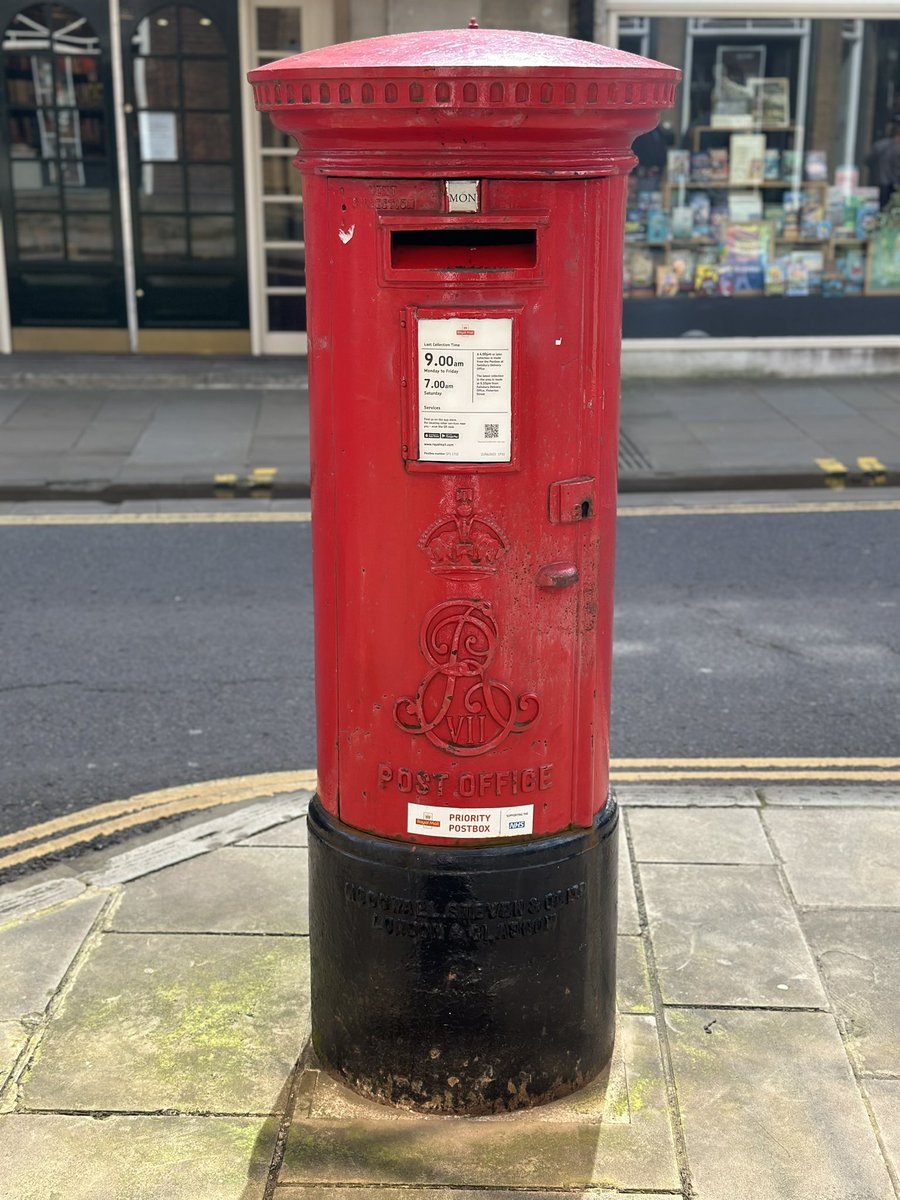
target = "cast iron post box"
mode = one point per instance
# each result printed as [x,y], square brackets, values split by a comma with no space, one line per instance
[464,196]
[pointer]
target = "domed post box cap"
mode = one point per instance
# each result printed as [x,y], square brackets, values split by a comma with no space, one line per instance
[505,102]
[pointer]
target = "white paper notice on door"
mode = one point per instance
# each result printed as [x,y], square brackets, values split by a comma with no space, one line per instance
[158,132]
[465,389]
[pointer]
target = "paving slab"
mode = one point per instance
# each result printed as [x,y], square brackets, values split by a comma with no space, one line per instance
[629,917]
[709,835]
[727,935]
[291,833]
[240,889]
[771,1110]
[884,1097]
[570,1144]
[36,952]
[13,1036]
[632,977]
[839,859]
[188,1022]
[859,956]
[844,795]
[48,1157]
[668,795]
[23,898]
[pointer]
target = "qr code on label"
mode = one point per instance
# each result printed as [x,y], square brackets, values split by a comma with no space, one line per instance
[492,431]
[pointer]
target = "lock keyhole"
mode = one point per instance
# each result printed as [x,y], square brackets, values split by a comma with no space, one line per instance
[587,509]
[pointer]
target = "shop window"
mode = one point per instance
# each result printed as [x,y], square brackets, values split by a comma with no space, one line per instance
[57,135]
[762,185]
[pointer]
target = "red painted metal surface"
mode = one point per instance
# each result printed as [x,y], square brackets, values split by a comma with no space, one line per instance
[464,608]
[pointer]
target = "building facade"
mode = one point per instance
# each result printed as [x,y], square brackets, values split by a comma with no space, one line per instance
[147,207]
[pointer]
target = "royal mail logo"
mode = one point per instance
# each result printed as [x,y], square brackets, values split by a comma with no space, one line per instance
[428,821]
[465,333]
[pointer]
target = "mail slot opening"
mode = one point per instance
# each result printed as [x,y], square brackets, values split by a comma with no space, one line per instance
[463,249]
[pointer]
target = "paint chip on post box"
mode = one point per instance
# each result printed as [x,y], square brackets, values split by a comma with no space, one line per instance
[484,822]
[465,389]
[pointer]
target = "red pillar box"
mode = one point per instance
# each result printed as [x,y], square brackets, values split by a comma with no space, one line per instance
[464,196]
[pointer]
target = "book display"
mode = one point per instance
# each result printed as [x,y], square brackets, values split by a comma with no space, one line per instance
[750,218]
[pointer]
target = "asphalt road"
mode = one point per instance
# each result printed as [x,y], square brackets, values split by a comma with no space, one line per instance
[139,657]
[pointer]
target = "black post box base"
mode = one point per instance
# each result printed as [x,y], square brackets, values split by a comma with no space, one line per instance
[463,981]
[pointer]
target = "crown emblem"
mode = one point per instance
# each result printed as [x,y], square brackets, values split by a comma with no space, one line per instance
[463,542]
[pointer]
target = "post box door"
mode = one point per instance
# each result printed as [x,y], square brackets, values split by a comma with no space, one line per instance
[472,533]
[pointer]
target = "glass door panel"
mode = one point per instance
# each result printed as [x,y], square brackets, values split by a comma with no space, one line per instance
[57,177]
[190,249]
[276,31]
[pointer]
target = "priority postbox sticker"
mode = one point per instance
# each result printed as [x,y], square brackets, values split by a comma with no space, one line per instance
[465,389]
[469,822]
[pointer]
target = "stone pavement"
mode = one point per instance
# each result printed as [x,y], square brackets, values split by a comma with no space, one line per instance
[153,1023]
[112,427]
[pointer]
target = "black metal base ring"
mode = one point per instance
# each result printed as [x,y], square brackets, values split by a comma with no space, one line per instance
[463,981]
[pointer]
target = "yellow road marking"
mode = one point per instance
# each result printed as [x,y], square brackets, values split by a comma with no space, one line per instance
[750,762]
[835,472]
[759,776]
[247,517]
[873,469]
[242,785]
[158,518]
[152,806]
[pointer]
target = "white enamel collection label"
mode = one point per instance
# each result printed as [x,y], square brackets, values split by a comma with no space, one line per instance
[465,389]
[428,821]
[462,195]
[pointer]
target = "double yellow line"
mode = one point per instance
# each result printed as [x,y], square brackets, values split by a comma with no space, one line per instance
[755,770]
[107,820]
[118,816]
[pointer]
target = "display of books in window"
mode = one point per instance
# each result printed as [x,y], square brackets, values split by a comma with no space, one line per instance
[706,279]
[816,166]
[797,280]
[719,219]
[745,206]
[747,155]
[639,270]
[755,220]
[867,211]
[667,282]
[733,94]
[684,265]
[718,165]
[700,167]
[791,164]
[850,264]
[776,277]
[772,164]
[746,252]
[702,208]
[813,262]
[682,222]
[884,253]
[657,227]
[678,166]
[772,102]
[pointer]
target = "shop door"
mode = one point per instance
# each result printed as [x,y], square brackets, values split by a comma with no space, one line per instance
[183,107]
[58,190]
